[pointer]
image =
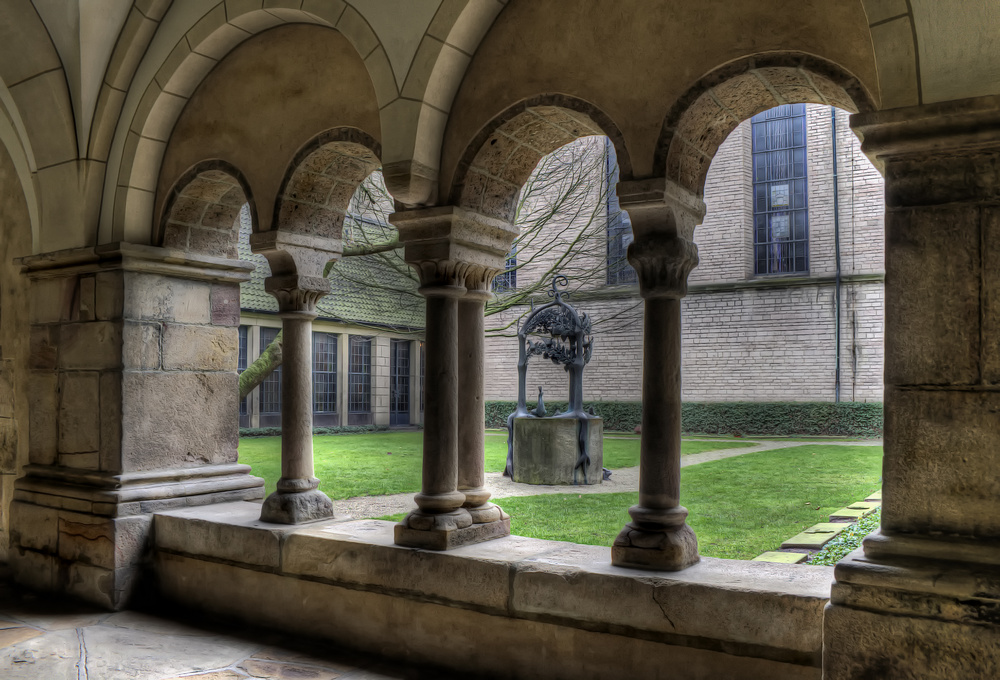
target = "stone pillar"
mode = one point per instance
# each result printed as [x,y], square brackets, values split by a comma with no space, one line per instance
[451,249]
[133,399]
[297,498]
[663,255]
[919,599]
[472,405]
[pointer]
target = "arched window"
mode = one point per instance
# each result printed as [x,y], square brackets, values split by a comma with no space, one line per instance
[780,210]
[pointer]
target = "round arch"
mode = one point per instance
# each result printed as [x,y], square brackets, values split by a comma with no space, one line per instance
[321,179]
[499,160]
[202,42]
[702,118]
[200,214]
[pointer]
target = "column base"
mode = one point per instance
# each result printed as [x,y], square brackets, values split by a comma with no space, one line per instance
[448,530]
[486,513]
[296,507]
[896,614]
[671,549]
[88,533]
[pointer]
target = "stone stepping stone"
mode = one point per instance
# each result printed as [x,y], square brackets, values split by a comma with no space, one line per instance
[781,557]
[855,511]
[816,536]
[875,496]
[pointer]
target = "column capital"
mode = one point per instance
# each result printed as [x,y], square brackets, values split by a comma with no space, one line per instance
[297,295]
[660,206]
[663,264]
[289,253]
[453,247]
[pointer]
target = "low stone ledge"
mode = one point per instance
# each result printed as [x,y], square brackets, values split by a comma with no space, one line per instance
[750,609]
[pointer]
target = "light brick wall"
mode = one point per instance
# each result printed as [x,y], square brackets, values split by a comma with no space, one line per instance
[745,337]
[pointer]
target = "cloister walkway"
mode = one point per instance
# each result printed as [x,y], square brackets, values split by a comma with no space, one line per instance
[622,479]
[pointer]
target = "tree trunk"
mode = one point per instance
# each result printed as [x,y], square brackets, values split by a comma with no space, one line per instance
[265,364]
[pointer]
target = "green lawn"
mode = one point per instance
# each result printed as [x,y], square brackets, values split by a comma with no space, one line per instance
[376,464]
[739,507]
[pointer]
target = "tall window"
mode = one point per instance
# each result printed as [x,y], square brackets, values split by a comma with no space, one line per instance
[508,279]
[359,381]
[619,226]
[241,365]
[780,213]
[399,382]
[324,373]
[270,388]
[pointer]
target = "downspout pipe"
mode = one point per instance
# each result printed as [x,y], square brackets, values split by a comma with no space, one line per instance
[836,247]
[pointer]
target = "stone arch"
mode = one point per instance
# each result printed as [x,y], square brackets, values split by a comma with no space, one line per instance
[502,156]
[321,180]
[129,197]
[200,214]
[703,117]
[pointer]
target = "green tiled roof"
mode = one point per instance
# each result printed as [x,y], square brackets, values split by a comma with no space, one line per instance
[373,290]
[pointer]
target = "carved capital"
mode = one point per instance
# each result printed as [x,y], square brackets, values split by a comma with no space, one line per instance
[663,265]
[297,294]
[660,207]
[292,254]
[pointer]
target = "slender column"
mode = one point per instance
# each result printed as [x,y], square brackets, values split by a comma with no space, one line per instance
[439,503]
[453,249]
[472,408]
[658,537]
[297,498]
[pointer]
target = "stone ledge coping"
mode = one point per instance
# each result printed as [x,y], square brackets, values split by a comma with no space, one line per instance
[751,608]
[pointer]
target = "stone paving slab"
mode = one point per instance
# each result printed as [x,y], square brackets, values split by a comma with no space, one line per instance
[855,511]
[44,638]
[781,557]
[875,496]
[816,536]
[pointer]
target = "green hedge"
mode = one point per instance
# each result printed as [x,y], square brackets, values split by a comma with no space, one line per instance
[846,419]
[345,429]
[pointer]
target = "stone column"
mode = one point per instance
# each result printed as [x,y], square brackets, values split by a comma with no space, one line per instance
[472,405]
[919,599]
[663,256]
[132,397]
[297,498]
[450,248]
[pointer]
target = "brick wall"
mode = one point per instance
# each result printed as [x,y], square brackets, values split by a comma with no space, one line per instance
[745,337]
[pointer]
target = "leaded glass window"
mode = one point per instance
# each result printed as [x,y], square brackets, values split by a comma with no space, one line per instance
[620,272]
[270,388]
[507,280]
[359,375]
[241,364]
[780,210]
[324,373]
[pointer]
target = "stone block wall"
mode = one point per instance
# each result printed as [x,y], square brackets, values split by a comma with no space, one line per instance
[745,337]
[133,400]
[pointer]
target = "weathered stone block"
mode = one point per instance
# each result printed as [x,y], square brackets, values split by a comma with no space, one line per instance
[199,348]
[95,345]
[43,350]
[81,461]
[109,295]
[34,527]
[50,299]
[546,450]
[202,427]
[86,309]
[43,398]
[932,314]
[111,422]
[162,298]
[87,539]
[234,533]
[7,389]
[34,570]
[141,346]
[8,446]
[79,412]
[940,462]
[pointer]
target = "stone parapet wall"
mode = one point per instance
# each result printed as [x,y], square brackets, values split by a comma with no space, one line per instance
[346,582]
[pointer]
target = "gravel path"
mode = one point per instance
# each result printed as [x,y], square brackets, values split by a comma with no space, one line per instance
[623,479]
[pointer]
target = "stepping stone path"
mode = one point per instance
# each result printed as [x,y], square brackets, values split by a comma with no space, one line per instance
[809,541]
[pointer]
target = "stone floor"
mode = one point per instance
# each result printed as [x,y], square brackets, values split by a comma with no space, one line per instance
[45,639]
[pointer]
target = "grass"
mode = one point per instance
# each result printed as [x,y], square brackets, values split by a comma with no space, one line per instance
[383,463]
[739,507]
